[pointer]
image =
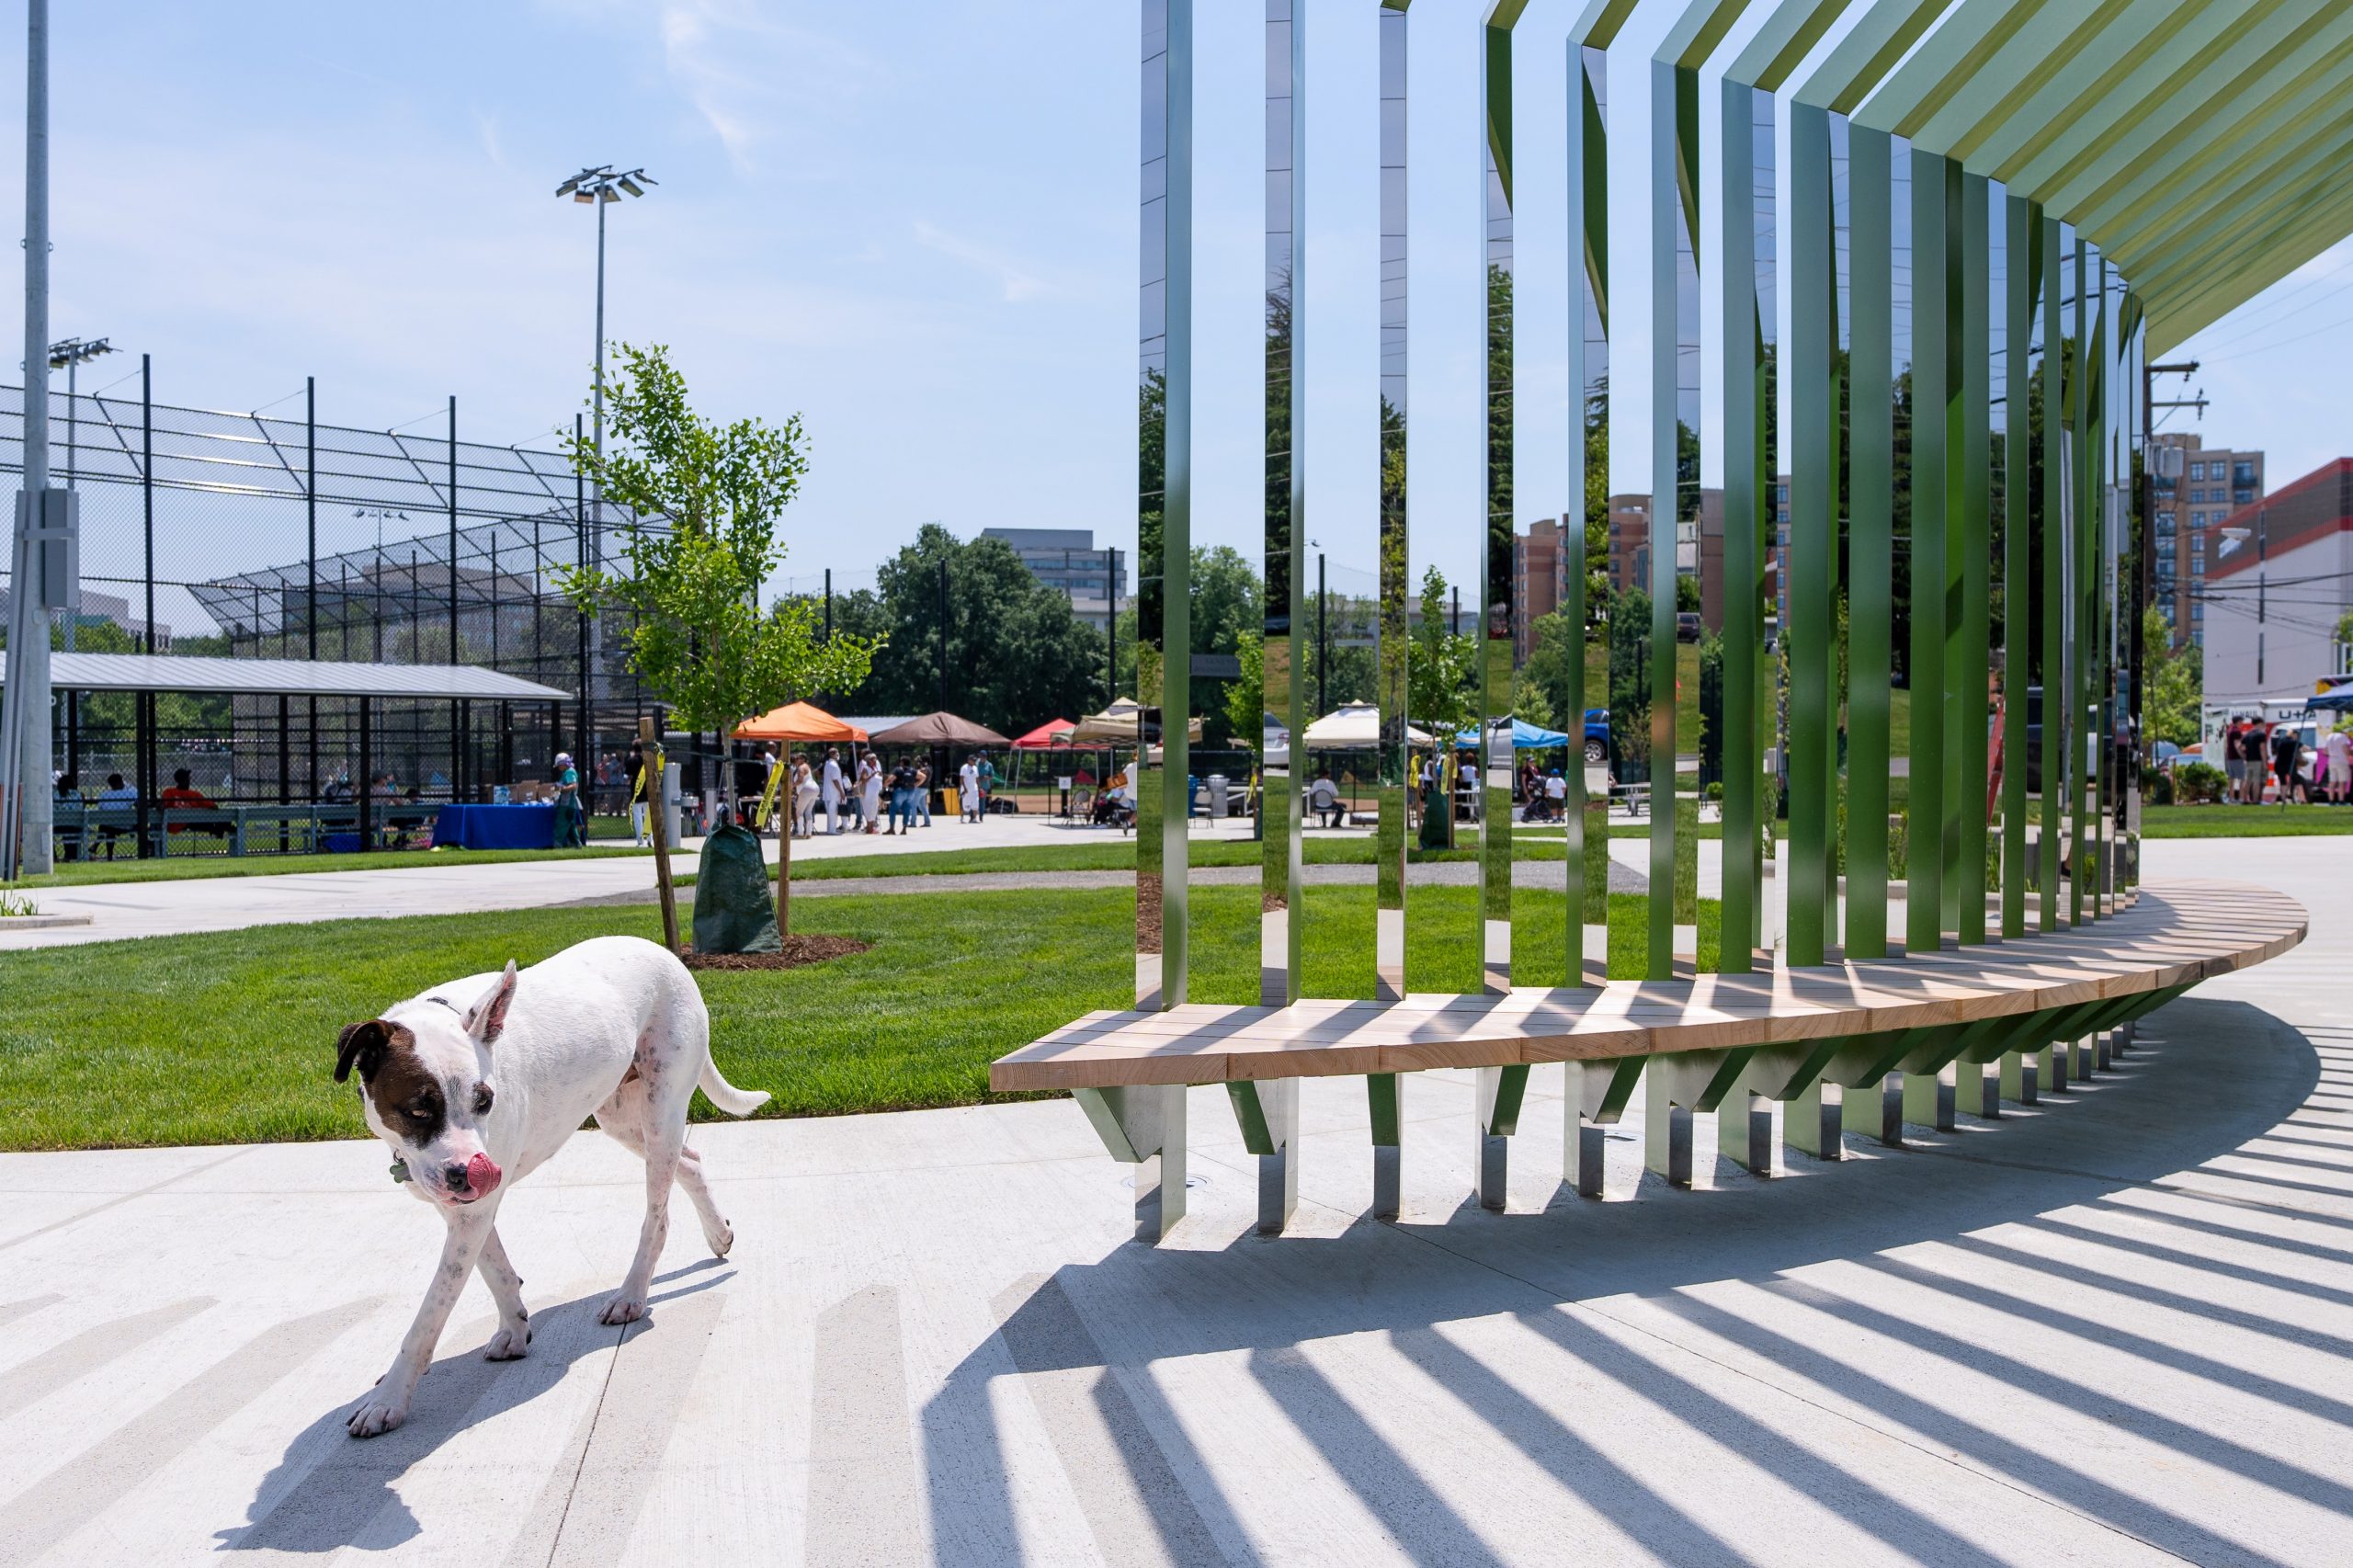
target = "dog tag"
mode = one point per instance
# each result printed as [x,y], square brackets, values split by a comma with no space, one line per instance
[400,1172]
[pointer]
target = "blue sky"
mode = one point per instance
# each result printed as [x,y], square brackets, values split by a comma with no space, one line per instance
[913,224]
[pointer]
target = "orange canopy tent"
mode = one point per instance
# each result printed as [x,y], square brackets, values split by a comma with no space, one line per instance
[798,721]
[1052,732]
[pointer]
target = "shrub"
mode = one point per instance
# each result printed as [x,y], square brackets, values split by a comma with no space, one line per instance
[2195,783]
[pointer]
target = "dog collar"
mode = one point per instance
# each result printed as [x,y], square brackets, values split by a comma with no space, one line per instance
[399,1171]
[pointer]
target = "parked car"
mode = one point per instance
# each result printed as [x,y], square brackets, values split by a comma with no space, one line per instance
[1687,626]
[1597,736]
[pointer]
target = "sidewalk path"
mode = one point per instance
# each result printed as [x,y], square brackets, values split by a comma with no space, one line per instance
[119,910]
[2106,1329]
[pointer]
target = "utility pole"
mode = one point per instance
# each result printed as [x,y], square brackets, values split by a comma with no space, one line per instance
[2135,634]
[1323,639]
[43,564]
[943,635]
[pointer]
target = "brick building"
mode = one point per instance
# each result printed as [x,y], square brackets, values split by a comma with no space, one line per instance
[2196,488]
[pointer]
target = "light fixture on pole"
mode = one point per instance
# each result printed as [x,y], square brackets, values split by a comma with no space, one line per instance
[69,355]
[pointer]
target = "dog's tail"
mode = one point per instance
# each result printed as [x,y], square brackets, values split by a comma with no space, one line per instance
[726,1096]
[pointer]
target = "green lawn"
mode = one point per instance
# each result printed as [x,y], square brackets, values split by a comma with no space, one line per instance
[230,1036]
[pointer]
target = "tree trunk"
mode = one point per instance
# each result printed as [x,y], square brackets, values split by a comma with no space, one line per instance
[784,872]
[657,821]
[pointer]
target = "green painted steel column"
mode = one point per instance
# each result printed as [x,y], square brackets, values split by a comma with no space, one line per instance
[1932,462]
[1970,671]
[1748,478]
[1813,508]
[1494,630]
[1675,440]
[1870,548]
[2077,526]
[2019,275]
[2051,436]
[1588,175]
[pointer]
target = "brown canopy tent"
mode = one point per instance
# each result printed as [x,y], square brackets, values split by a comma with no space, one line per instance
[942,728]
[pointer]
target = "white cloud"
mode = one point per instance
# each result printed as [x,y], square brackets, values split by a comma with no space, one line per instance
[1016,281]
[748,75]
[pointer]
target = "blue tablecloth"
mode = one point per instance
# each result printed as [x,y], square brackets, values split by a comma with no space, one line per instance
[495,827]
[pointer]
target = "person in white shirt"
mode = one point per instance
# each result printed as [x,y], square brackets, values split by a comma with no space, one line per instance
[1324,799]
[1556,791]
[869,791]
[829,791]
[2338,750]
[967,791]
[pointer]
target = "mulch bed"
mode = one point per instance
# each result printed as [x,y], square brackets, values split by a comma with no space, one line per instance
[799,954]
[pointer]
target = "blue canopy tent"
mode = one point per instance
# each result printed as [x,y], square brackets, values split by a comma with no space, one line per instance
[1524,736]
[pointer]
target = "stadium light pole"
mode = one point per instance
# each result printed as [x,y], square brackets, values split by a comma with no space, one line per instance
[70,355]
[599,187]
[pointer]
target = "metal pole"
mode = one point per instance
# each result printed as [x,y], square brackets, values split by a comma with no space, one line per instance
[364,795]
[311,515]
[580,550]
[24,730]
[147,485]
[73,591]
[1322,641]
[1111,623]
[453,531]
[598,394]
[943,635]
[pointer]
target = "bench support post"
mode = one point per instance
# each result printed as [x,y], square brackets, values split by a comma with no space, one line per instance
[1268,1114]
[1144,1127]
[1874,1109]
[1744,1132]
[1929,1099]
[2086,1054]
[1499,1092]
[1593,1097]
[1386,1091]
[1677,1087]
[1977,1088]
[2020,1075]
[1812,1122]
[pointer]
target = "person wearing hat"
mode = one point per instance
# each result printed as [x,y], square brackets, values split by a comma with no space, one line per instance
[571,826]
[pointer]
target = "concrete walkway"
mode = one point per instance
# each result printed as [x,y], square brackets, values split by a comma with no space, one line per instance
[433,886]
[2113,1328]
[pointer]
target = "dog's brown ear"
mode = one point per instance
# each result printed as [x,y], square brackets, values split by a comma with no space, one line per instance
[362,1044]
[487,1019]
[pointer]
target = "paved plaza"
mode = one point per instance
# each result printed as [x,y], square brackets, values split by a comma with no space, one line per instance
[2113,1327]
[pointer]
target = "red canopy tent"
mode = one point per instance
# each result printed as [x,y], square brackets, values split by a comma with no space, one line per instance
[1052,732]
[798,721]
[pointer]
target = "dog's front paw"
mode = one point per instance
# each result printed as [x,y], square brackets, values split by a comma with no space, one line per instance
[377,1415]
[720,1240]
[509,1344]
[623,1309]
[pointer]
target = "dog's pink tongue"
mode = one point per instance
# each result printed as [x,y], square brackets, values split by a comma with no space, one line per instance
[482,1174]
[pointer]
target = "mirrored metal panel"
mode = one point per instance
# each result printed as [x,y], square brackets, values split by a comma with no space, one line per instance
[1164,502]
[1393,770]
[1587,712]
[1489,799]
[1276,731]
[1675,524]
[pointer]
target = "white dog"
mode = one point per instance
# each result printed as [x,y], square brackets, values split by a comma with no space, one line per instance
[476,1084]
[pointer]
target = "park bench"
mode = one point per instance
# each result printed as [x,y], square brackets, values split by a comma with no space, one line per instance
[1851,1046]
[1633,799]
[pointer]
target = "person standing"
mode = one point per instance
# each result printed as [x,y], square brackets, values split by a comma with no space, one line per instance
[638,794]
[829,791]
[967,791]
[902,799]
[805,798]
[2287,760]
[2254,751]
[2336,750]
[869,790]
[923,790]
[988,783]
[571,822]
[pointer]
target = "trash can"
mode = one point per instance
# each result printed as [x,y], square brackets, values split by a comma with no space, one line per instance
[1217,786]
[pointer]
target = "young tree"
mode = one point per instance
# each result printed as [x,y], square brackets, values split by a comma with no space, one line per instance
[703,499]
